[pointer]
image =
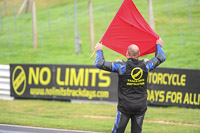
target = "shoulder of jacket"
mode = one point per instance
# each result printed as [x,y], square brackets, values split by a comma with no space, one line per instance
[119,62]
[145,61]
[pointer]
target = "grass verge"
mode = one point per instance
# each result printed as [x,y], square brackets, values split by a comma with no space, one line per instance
[94,117]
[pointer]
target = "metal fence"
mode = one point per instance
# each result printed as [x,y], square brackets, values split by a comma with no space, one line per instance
[5,82]
[60,23]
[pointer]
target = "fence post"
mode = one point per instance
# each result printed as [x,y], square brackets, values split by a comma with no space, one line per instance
[151,18]
[35,45]
[27,6]
[91,25]
[77,47]
[169,12]
[21,8]
[79,39]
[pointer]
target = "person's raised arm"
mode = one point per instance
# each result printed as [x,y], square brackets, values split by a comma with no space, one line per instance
[99,60]
[104,65]
[159,57]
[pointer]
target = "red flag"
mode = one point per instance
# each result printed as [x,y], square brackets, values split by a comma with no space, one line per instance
[129,27]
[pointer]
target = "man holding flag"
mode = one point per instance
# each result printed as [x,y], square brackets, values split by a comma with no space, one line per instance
[132,84]
[130,35]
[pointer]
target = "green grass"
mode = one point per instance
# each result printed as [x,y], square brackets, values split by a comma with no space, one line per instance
[178,55]
[64,115]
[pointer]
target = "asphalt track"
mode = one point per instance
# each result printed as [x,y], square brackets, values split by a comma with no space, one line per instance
[5,128]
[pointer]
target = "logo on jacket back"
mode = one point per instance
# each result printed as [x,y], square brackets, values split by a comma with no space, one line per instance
[137,73]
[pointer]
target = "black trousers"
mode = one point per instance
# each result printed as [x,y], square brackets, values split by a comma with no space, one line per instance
[122,119]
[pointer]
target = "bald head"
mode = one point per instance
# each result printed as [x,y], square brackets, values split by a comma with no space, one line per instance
[133,51]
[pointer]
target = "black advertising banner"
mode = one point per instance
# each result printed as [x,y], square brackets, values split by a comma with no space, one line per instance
[174,87]
[62,82]
[166,86]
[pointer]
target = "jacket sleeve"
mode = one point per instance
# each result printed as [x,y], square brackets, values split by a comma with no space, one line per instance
[117,66]
[157,60]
